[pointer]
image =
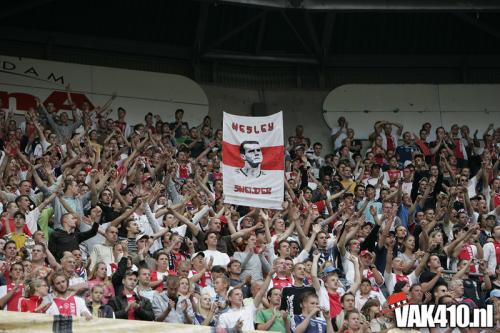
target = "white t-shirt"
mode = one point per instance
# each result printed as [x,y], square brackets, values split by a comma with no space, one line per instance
[349,269]
[342,135]
[407,186]
[245,314]
[391,279]
[360,301]
[80,307]
[220,259]
[471,187]
[32,220]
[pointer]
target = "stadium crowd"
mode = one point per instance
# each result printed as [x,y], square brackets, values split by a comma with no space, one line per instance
[104,218]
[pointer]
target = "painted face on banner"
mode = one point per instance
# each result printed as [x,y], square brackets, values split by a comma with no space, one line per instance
[253,154]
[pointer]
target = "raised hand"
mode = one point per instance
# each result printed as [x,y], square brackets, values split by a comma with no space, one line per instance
[171,305]
[184,305]
[210,264]
[316,255]
[427,297]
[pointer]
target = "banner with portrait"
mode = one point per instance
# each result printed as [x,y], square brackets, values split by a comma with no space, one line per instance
[253,160]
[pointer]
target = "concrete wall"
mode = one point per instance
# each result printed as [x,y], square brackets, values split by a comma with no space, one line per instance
[299,107]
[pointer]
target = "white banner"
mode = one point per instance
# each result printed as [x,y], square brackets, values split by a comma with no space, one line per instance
[253,160]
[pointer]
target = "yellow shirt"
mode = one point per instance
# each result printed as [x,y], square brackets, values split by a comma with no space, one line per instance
[20,239]
[348,184]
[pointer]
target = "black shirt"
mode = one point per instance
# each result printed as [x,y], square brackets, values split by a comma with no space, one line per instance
[60,240]
[472,290]
[291,299]
[426,276]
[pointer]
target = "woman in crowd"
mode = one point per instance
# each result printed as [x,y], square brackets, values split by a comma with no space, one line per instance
[99,276]
[36,291]
[207,311]
[407,254]
[255,261]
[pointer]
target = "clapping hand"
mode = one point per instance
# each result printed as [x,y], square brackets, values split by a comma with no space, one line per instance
[239,325]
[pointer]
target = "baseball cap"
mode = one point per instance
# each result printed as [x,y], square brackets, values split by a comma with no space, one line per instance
[364,253]
[331,269]
[407,163]
[337,225]
[140,236]
[198,254]
[494,293]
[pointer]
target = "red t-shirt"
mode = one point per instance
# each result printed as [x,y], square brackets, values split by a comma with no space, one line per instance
[154,278]
[496,200]
[13,304]
[66,307]
[335,305]
[3,230]
[400,278]
[202,282]
[30,304]
[394,175]
[281,282]
[183,171]
[131,311]
[457,151]
[178,258]
[467,253]
[391,145]
[497,250]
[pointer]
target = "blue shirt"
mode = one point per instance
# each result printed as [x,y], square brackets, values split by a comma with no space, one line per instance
[316,325]
[366,212]
[403,215]
[404,153]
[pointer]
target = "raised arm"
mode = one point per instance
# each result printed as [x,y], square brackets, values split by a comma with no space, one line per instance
[347,236]
[461,273]
[263,289]
[450,248]
[400,128]
[246,231]
[310,242]
[49,199]
[388,260]
[125,215]
[314,272]
[287,232]
[422,264]
[194,229]
[357,273]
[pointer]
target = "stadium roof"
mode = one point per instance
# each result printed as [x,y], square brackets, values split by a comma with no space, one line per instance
[306,36]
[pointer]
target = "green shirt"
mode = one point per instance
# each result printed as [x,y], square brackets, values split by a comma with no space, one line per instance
[263,316]
[43,221]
